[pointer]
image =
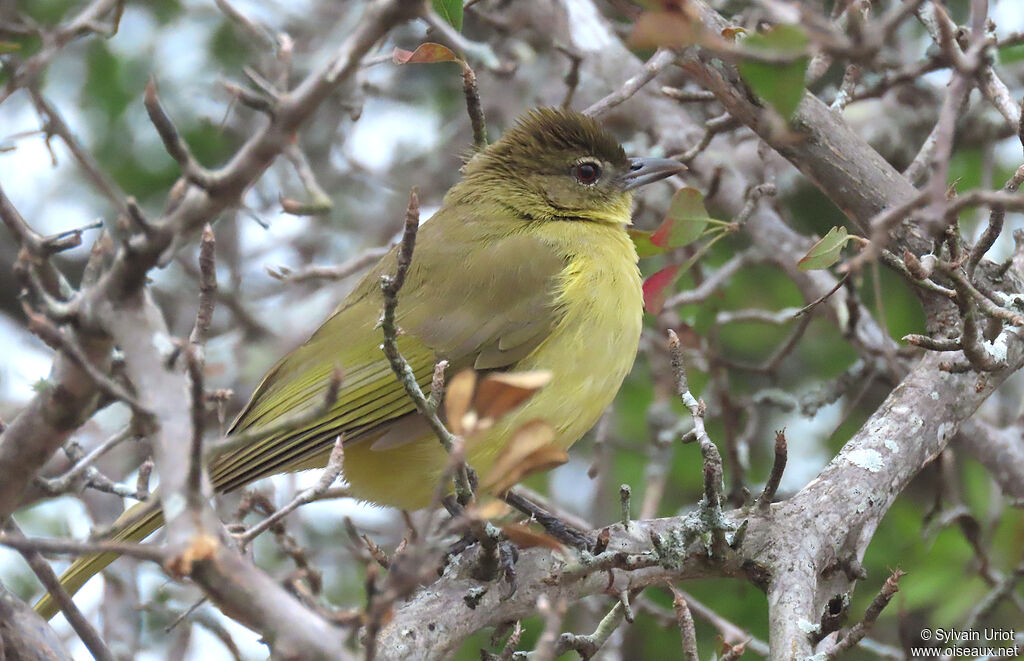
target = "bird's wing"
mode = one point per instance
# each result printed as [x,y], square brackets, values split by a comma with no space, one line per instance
[488,312]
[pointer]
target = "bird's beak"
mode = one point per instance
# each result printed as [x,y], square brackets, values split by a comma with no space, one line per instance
[643,171]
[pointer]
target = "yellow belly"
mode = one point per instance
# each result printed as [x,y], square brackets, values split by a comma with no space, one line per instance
[589,354]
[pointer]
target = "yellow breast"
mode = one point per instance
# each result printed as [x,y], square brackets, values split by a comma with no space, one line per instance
[589,353]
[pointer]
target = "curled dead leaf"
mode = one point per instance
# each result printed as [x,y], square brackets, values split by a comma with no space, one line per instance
[528,451]
[525,537]
[457,399]
[501,392]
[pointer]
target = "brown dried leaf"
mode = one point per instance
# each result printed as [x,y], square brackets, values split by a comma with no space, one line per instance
[529,451]
[526,538]
[490,510]
[457,398]
[675,25]
[530,437]
[499,393]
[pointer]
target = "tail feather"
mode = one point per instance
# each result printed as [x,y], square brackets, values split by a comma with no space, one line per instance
[137,523]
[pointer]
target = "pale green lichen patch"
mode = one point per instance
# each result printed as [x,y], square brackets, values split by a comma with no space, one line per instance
[869,460]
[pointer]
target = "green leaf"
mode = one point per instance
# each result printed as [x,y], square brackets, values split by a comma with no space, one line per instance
[9,47]
[685,221]
[825,252]
[776,66]
[427,53]
[449,10]
[106,84]
[644,246]
[225,45]
[1011,53]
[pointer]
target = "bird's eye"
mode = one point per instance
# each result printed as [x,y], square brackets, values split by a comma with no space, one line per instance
[587,172]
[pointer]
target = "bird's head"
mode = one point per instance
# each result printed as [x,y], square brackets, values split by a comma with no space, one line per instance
[560,165]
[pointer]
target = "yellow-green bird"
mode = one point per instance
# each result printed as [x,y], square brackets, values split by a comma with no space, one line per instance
[527,265]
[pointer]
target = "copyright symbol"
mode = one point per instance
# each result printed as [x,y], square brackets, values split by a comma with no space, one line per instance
[926,634]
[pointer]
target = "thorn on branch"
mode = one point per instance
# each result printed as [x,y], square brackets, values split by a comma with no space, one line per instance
[473,107]
[778,467]
[137,216]
[66,240]
[174,143]
[339,272]
[319,202]
[625,494]
[572,77]
[686,96]
[142,482]
[207,290]
[933,343]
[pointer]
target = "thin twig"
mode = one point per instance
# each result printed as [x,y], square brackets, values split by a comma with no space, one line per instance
[712,502]
[684,620]
[553,614]
[65,481]
[327,478]
[775,477]
[194,481]
[174,143]
[995,224]
[339,272]
[390,286]
[587,646]
[859,630]
[474,108]
[140,550]
[286,423]
[661,59]
[44,572]
[207,288]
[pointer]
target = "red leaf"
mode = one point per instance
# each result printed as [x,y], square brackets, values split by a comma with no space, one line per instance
[658,287]
[427,53]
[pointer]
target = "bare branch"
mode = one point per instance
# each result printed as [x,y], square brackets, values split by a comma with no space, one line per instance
[390,286]
[173,142]
[685,623]
[764,502]
[44,572]
[661,59]
[859,630]
[327,478]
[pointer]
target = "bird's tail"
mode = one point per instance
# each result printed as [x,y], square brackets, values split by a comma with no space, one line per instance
[134,525]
